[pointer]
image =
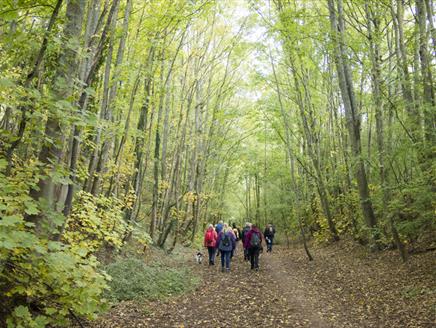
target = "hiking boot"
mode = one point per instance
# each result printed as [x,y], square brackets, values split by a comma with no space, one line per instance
[228,270]
[222,269]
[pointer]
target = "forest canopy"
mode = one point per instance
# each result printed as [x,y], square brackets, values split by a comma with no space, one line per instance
[140,122]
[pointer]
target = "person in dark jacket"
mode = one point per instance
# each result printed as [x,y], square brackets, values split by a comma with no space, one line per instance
[269,237]
[253,242]
[226,243]
[244,232]
[218,228]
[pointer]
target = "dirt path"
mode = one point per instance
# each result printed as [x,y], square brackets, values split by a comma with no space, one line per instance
[242,298]
[337,290]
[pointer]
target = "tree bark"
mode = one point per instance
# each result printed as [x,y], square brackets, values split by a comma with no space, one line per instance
[141,128]
[373,21]
[75,149]
[63,86]
[157,141]
[108,113]
[429,111]
[27,83]
[352,116]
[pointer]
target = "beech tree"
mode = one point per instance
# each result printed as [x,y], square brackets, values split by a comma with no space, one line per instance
[125,123]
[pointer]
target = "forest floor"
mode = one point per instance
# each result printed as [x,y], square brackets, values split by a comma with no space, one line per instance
[345,286]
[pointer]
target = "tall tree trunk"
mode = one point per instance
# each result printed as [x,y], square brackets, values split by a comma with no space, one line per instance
[311,142]
[403,68]
[108,116]
[93,163]
[113,184]
[157,140]
[63,86]
[247,203]
[257,198]
[141,130]
[287,142]
[429,111]
[27,83]
[75,149]
[351,111]
[373,22]
[430,17]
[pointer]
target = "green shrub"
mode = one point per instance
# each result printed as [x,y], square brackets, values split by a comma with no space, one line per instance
[96,221]
[41,281]
[133,279]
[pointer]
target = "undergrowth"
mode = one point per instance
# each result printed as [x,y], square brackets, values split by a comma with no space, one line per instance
[132,279]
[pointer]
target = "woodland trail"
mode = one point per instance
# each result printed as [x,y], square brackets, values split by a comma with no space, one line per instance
[338,289]
[244,298]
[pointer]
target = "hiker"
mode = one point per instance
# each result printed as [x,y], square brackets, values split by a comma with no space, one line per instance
[269,237]
[236,231]
[243,235]
[210,238]
[226,243]
[253,242]
[218,228]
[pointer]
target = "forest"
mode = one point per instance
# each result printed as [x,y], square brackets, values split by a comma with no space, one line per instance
[128,126]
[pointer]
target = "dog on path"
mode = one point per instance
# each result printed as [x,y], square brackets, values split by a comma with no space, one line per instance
[199,257]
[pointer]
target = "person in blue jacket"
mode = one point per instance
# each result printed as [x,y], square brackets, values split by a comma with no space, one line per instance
[219,227]
[226,243]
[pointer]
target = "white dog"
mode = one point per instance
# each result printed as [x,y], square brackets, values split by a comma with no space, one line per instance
[199,257]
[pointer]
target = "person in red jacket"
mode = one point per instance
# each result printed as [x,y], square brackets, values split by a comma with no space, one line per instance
[253,242]
[210,238]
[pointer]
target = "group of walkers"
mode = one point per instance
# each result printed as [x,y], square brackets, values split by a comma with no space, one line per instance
[222,240]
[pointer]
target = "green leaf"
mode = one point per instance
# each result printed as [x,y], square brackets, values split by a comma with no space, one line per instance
[31,208]
[41,321]
[19,290]
[81,251]
[60,178]
[54,246]
[64,104]
[21,311]
[3,164]
[6,83]
[50,310]
[11,220]
[57,219]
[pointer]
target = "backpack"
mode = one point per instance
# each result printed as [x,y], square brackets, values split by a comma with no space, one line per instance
[225,240]
[255,240]
[244,233]
[209,237]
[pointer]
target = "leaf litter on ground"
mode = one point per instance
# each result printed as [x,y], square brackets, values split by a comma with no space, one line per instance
[345,286]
